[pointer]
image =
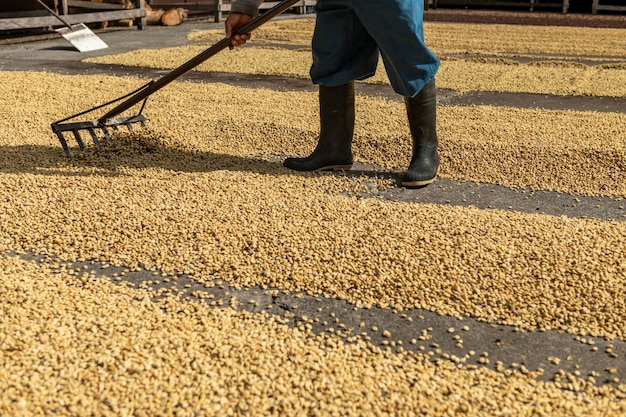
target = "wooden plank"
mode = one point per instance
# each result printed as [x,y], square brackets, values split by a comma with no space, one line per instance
[184,4]
[301,6]
[222,6]
[31,13]
[93,5]
[44,21]
[269,4]
[219,7]
[530,4]
[155,3]
[18,6]
[29,22]
[143,22]
[541,4]
[104,16]
[499,3]
[492,3]
[428,4]
[609,7]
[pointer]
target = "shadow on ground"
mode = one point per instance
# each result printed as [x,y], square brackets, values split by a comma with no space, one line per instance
[142,152]
[139,152]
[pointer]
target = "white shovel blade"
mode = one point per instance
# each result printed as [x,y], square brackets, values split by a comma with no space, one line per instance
[82,38]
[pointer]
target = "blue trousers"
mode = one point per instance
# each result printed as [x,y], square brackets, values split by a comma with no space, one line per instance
[350,35]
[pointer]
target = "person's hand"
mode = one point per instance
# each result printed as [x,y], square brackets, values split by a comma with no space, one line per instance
[233,22]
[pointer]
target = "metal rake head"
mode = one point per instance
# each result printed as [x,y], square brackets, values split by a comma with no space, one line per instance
[101,128]
[97,129]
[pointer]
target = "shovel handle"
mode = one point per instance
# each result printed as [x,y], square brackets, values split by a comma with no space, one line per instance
[153,86]
[65,22]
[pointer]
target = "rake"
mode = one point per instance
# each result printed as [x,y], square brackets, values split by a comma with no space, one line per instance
[101,128]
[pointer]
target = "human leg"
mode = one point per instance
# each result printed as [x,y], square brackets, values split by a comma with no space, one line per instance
[342,49]
[334,147]
[397,28]
[342,52]
[411,68]
[421,111]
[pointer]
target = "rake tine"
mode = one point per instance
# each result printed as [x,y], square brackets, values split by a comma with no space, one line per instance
[64,144]
[94,127]
[107,135]
[94,136]
[79,139]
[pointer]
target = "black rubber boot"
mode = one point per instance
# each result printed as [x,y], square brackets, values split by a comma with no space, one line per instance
[334,146]
[422,113]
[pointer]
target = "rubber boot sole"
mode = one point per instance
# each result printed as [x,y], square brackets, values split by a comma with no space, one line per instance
[418,184]
[329,167]
[333,168]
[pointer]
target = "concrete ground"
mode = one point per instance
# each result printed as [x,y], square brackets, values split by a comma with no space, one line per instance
[509,346]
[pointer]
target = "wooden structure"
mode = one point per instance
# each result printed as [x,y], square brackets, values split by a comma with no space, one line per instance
[601,5]
[95,12]
[531,5]
[430,3]
[220,8]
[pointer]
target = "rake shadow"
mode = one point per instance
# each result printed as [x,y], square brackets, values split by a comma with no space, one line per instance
[113,156]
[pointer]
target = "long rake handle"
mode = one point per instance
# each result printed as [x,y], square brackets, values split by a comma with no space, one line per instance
[154,86]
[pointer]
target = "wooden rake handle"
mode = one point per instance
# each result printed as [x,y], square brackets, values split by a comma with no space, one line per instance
[156,85]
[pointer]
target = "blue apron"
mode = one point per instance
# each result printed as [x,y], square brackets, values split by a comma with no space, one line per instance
[351,34]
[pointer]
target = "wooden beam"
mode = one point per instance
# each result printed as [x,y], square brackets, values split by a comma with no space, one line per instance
[27,13]
[143,22]
[93,5]
[597,6]
[44,21]
[531,4]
